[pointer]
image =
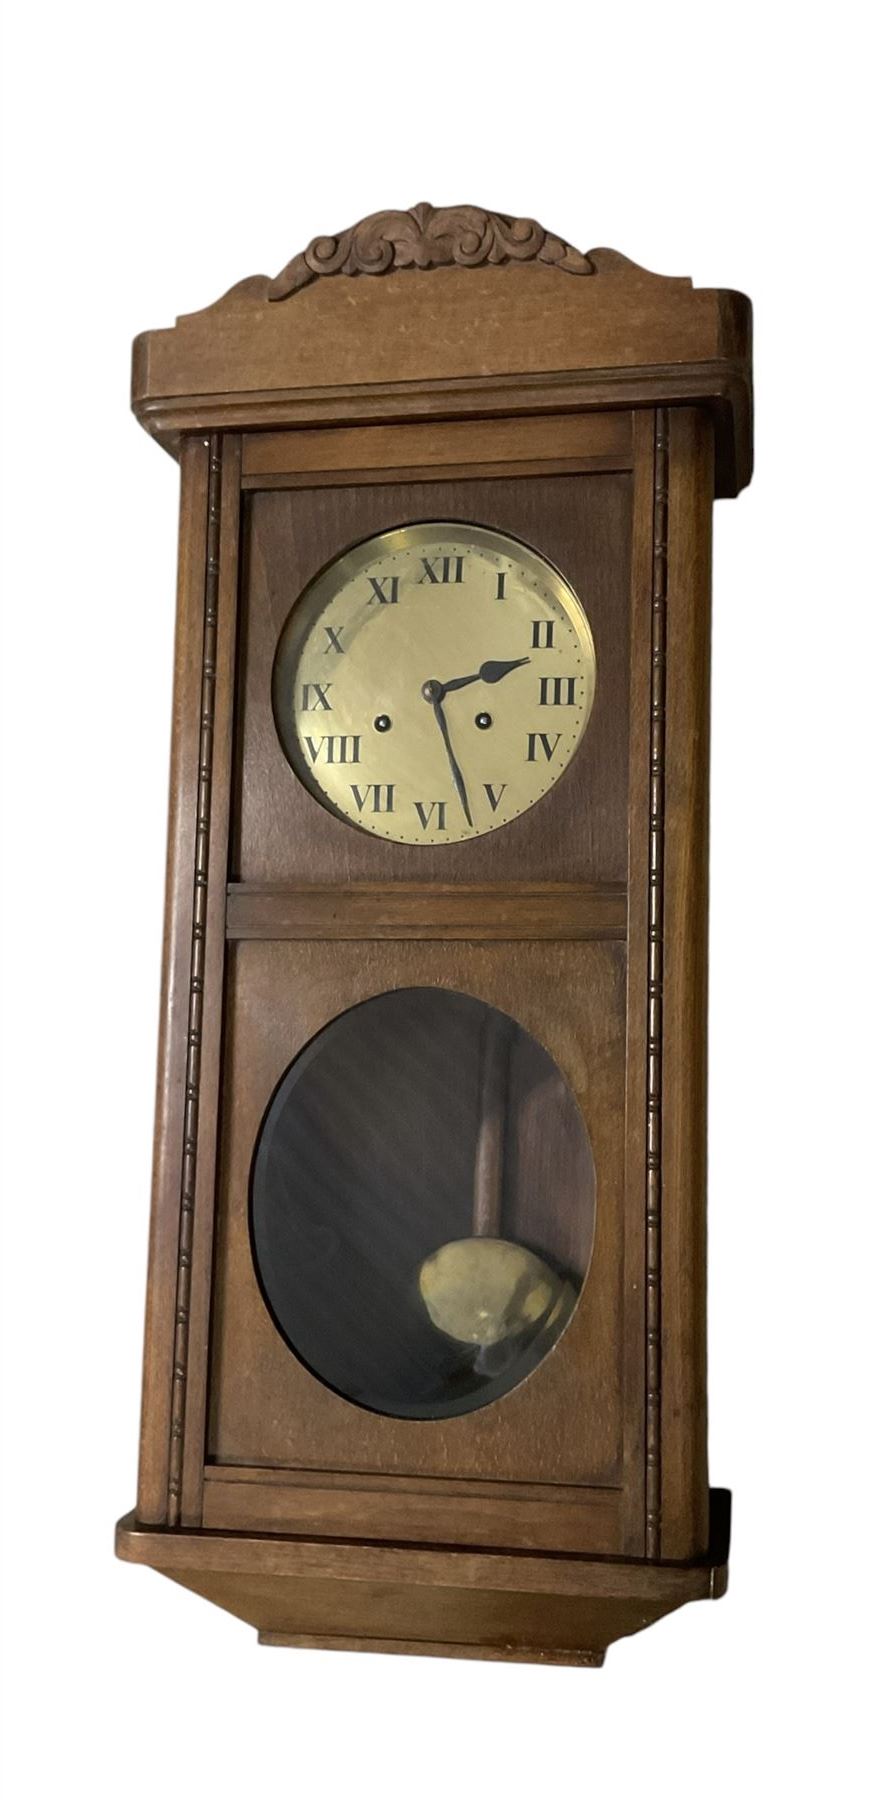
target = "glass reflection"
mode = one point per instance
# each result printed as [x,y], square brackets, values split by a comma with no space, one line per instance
[422,1204]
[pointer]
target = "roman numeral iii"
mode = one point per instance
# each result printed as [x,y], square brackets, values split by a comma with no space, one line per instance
[558,690]
[336,749]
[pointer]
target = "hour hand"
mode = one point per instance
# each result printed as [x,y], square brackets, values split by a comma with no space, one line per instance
[495,671]
[490,672]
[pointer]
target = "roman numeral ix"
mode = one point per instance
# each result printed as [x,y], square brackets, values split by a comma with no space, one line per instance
[315,696]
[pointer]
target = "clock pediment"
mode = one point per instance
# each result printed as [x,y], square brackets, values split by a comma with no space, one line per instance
[483,308]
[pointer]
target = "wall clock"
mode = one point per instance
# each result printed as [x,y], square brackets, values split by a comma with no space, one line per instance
[425,1334]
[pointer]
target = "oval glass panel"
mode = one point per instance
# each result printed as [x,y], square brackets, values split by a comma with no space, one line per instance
[422,1204]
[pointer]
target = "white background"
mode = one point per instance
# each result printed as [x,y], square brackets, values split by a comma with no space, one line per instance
[153,157]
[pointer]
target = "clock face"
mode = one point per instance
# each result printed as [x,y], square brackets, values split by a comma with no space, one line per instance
[433,682]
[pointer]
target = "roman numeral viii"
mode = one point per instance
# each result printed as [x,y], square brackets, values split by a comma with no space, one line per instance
[382,798]
[548,744]
[335,749]
[558,690]
[451,568]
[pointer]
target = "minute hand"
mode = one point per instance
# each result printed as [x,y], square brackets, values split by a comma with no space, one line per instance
[490,672]
[457,777]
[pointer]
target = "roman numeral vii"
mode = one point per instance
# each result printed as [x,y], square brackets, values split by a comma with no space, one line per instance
[382,798]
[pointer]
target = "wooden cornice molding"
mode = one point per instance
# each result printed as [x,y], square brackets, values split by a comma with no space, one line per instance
[458,301]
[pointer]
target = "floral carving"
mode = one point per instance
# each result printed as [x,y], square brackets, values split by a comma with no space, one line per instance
[428,237]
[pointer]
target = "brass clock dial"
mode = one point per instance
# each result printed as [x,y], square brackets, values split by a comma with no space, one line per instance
[433,682]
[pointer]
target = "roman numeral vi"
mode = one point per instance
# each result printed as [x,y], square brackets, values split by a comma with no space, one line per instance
[426,813]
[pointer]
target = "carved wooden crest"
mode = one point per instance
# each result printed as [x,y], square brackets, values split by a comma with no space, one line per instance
[428,237]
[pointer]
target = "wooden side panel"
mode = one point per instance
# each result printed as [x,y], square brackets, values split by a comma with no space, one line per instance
[157,1391]
[640,604]
[208,962]
[191,1002]
[684,1464]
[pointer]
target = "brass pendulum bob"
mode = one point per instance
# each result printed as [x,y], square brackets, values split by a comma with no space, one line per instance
[484,1289]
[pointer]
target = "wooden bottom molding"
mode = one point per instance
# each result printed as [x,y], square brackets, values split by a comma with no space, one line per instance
[424,1600]
[514,1653]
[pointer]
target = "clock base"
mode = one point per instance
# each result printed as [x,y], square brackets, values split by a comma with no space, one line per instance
[316,1593]
[514,1653]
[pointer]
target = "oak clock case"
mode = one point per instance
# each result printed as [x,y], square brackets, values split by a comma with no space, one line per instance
[424,1361]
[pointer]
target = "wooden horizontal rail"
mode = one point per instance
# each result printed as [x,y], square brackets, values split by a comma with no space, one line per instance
[399,910]
[468,471]
[505,1516]
[439,444]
